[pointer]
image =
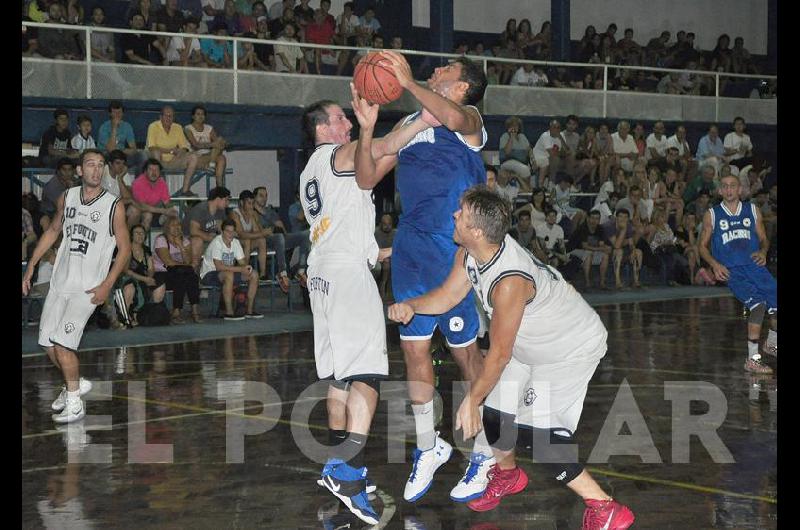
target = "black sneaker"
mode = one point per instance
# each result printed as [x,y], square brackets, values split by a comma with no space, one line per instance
[254,314]
[233,317]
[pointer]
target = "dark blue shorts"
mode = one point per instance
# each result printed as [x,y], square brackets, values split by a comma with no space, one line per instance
[421,261]
[211,279]
[753,285]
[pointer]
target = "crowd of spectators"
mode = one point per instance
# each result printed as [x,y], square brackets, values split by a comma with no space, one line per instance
[633,199]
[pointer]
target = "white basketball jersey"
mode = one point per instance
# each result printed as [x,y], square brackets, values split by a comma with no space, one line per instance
[557,325]
[84,257]
[340,214]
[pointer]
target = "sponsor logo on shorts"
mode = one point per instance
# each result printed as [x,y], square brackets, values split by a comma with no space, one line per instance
[456,324]
[95,216]
[69,327]
[530,396]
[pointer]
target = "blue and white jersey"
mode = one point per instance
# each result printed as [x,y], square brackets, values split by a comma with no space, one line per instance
[434,169]
[734,236]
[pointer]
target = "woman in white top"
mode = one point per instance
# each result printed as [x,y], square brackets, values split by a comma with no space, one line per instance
[249,231]
[207,144]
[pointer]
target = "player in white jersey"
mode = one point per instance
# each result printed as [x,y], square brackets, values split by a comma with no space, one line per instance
[349,328]
[545,345]
[92,227]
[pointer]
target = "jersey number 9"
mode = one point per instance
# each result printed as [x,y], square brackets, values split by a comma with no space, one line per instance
[313,198]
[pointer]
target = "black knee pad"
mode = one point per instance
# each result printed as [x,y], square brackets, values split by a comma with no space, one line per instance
[501,431]
[553,450]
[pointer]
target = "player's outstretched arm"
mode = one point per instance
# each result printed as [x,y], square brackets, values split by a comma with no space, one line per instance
[455,117]
[49,237]
[439,300]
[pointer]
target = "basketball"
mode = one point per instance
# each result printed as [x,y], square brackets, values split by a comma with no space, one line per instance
[375,80]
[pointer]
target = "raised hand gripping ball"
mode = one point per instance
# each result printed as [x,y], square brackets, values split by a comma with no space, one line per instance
[375,81]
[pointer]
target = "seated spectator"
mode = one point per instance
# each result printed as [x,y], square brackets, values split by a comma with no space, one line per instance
[656,144]
[551,237]
[59,43]
[30,203]
[250,15]
[83,140]
[116,133]
[148,11]
[686,240]
[138,282]
[752,181]
[63,179]
[367,23]
[265,52]
[628,49]
[542,41]
[515,152]
[699,208]
[606,206]
[55,142]
[304,14]
[225,265]
[769,210]
[530,75]
[249,58]
[297,218]
[318,31]
[136,47]
[170,19]
[704,181]
[229,19]
[721,59]
[150,197]
[211,9]
[167,144]
[592,248]
[640,179]
[586,47]
[248,227]
[524,230]
[547,153]
[207,144]
[741,60]
[30,38]
[625,151]
[579,165]
[505,187]
[621,181]
[662,243]
[537,208]
[620,233]
[588,157]
[687,161]
[29,236]
[562,200]
[636,207]
[711,150]
[656,49]
[203,222]
[641,143]
[289,58]
[661,197]
[671,161]
[37,11]
[738,147]
[117,180]
[277,25]
[186,51]
[102,43]
[281,240]
[173,265]
[384,236]
[218,53]
[277,9]
[605,152]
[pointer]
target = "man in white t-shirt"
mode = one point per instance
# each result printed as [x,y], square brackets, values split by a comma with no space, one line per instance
[185,51]
[738,147]
[528,75]
[656,143]
[548,151]
[551,236]
[687,161]
[225,265]
[625,150]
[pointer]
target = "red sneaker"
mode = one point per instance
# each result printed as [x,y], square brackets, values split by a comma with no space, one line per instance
[501,483]
[606,515]
[757,366]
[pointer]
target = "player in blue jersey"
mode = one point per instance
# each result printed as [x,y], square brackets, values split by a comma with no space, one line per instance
[434,169]
[738,254]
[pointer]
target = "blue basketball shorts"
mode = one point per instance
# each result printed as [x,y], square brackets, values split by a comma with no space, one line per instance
[753,285]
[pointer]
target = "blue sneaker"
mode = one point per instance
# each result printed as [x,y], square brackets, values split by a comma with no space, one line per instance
[371,487]
[347,483]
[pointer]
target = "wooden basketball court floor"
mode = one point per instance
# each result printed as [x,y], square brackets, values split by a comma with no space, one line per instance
[171,460]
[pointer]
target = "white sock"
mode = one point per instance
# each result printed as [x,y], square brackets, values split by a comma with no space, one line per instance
[772,337]
[481,444]
[423,420]
[752,348]
[74,396]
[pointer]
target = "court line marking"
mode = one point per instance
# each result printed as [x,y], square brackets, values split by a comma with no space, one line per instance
[627,476]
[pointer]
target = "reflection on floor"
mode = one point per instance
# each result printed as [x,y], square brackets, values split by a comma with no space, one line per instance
[235,463]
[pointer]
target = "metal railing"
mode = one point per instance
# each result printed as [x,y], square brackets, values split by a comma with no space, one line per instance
[494,95]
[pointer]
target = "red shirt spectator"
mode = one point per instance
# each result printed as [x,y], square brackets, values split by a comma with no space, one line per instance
[150,191]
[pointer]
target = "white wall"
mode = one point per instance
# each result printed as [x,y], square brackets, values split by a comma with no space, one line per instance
[254,168]
[708,19]
[486,16]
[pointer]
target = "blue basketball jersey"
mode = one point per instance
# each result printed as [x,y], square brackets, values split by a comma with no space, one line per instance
[434,169]
[734,236]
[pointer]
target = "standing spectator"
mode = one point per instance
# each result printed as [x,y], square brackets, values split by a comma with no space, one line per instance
[173,265]
[55,142]
[629,49]
[203,222]
[592,248]
[625,150]
[137,48]
[116,133]
[656,143]
[621,235]
[325,6]
[586,48]
[225,265]
[289,58]
[281,240]
[150,196]
[63,180]
[278,9]
[167,144]
[248,227]
[83,140]
[510,32]
[547,153]
[515,152]
[186,51]
[711,149]
[207,144]
[542,40]
[738,147]
[384,236]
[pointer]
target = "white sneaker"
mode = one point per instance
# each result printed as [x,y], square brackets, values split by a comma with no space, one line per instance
[73,411]
[425,465]
[771,349]
[474,482]
[85,386]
